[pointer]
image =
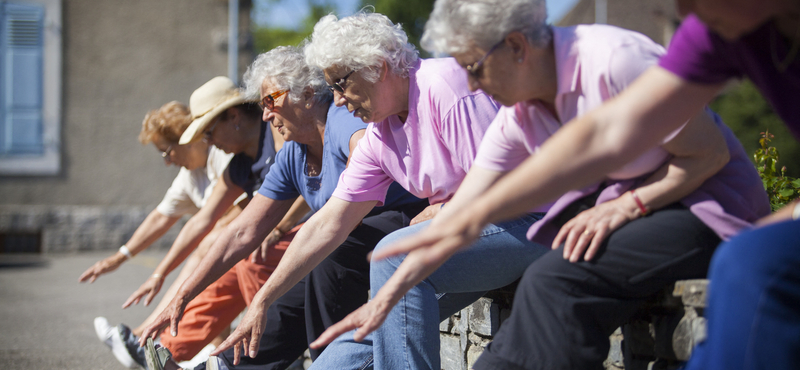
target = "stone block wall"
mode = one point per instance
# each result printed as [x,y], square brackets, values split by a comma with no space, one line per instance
[661,336]
[79,228]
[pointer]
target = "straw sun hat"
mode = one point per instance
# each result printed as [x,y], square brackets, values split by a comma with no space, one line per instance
[207,102]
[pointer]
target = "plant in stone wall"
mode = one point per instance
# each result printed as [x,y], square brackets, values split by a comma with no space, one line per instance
[781,189]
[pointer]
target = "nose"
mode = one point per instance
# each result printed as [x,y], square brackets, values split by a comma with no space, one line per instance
[265,115]
[474,84]
[339,99]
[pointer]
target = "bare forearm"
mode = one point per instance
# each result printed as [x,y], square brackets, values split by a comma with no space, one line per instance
[188,239]
[152,228]
[296,212]
[318,237]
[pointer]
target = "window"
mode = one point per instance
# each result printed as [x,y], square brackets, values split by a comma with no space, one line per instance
[30,87]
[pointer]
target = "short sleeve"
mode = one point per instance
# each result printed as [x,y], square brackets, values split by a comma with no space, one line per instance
[345,126]
[501,149]
[218,162]
[697,55]
[278,183]
[177,201]
[464,126]
[364,179]
[630,60]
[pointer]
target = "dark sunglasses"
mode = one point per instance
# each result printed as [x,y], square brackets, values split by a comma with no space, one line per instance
[337,86]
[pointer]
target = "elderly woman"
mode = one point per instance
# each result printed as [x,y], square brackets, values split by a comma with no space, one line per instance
[753,311]
[320,138]
[201,167]
[238,130]
[425,132]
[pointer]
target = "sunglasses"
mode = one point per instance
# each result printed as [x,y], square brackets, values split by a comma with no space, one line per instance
[337,86]
[268,102]
[474,69]
[165,154]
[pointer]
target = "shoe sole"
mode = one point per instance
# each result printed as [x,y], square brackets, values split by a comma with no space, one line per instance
[151,356]
[102,329]
[120,351]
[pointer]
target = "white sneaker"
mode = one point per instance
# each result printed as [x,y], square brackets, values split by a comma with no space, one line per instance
[103,330]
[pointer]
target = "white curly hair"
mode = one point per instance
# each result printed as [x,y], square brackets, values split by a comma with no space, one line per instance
[457,25]
[362,41]
[286,68]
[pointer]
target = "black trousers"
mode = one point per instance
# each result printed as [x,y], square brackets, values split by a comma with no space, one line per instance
[334,289]
[563,312]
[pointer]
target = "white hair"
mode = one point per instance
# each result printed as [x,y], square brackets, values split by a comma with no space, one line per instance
[457,25]
[361,41]
[285,68]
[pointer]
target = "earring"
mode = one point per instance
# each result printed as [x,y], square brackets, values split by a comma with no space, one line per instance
[308,105]
[236,127]
[519,60]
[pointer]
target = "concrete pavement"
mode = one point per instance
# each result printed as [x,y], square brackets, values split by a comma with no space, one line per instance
[46,316]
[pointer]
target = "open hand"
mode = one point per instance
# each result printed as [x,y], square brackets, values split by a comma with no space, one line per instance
[366,319]
[247,335]
[101,267]
[150,288]
[171,315]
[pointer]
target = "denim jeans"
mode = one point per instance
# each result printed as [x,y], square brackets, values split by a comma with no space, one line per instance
[409,338]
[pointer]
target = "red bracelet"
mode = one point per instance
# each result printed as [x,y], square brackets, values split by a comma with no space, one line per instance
[642,208]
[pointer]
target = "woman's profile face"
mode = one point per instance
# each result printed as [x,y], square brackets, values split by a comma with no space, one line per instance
[487,69]
[366,100]
[189,156]
[284,114]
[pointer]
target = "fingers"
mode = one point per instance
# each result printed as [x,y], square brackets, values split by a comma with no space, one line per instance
[333,332]
[133,299]
[598,239]
[173,323]
[404,246]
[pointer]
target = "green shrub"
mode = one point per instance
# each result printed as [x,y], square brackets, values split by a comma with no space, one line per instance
[781,189]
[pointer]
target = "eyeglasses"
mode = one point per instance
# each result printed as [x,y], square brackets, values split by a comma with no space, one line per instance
[474,69]
[165,154]
[337,86]
[268,102]
[210,131]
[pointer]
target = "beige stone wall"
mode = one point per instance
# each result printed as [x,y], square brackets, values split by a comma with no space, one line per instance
[122,58]
[655,18]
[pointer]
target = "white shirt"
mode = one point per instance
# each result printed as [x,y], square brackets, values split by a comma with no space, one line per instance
[191,189]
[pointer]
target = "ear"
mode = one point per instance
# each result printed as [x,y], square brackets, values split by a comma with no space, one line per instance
[384,71]
[518,44]
[232,114]
[308,95]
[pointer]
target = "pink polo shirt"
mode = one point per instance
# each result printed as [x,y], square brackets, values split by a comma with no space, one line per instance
[594,63]
[430,153]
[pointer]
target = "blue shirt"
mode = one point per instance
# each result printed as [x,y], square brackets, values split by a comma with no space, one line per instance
[288,177]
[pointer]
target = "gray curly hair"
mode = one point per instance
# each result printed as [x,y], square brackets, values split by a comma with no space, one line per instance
[457,25]
[361,41]
[286,68]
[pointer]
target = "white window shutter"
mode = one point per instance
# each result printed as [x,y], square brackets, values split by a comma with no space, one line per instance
[21,44]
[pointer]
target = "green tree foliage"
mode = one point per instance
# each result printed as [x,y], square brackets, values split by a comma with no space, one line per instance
[781,189]
[411,14]
[746,112]
[267,38]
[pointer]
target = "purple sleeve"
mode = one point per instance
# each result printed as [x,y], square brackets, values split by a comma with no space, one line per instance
[698,55]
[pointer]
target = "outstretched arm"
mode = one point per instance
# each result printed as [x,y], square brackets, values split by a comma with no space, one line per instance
[580,153]
[153,228]
[293,216]
[318,237]
[223,195]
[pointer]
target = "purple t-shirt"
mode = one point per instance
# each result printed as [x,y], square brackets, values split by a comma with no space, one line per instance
[699,55]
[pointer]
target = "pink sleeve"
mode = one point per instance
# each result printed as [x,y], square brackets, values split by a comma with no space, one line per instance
[364,179]
[501,148]
[464,126]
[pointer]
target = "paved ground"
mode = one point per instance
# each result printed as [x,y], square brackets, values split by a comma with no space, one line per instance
[46,315]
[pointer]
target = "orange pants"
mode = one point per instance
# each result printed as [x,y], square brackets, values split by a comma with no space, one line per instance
[208,314]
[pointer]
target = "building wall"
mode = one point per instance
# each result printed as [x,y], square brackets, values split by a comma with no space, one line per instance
[655,18]
[121,59]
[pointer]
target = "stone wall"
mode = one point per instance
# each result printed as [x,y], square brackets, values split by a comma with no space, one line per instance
[77,228]
[660,336]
